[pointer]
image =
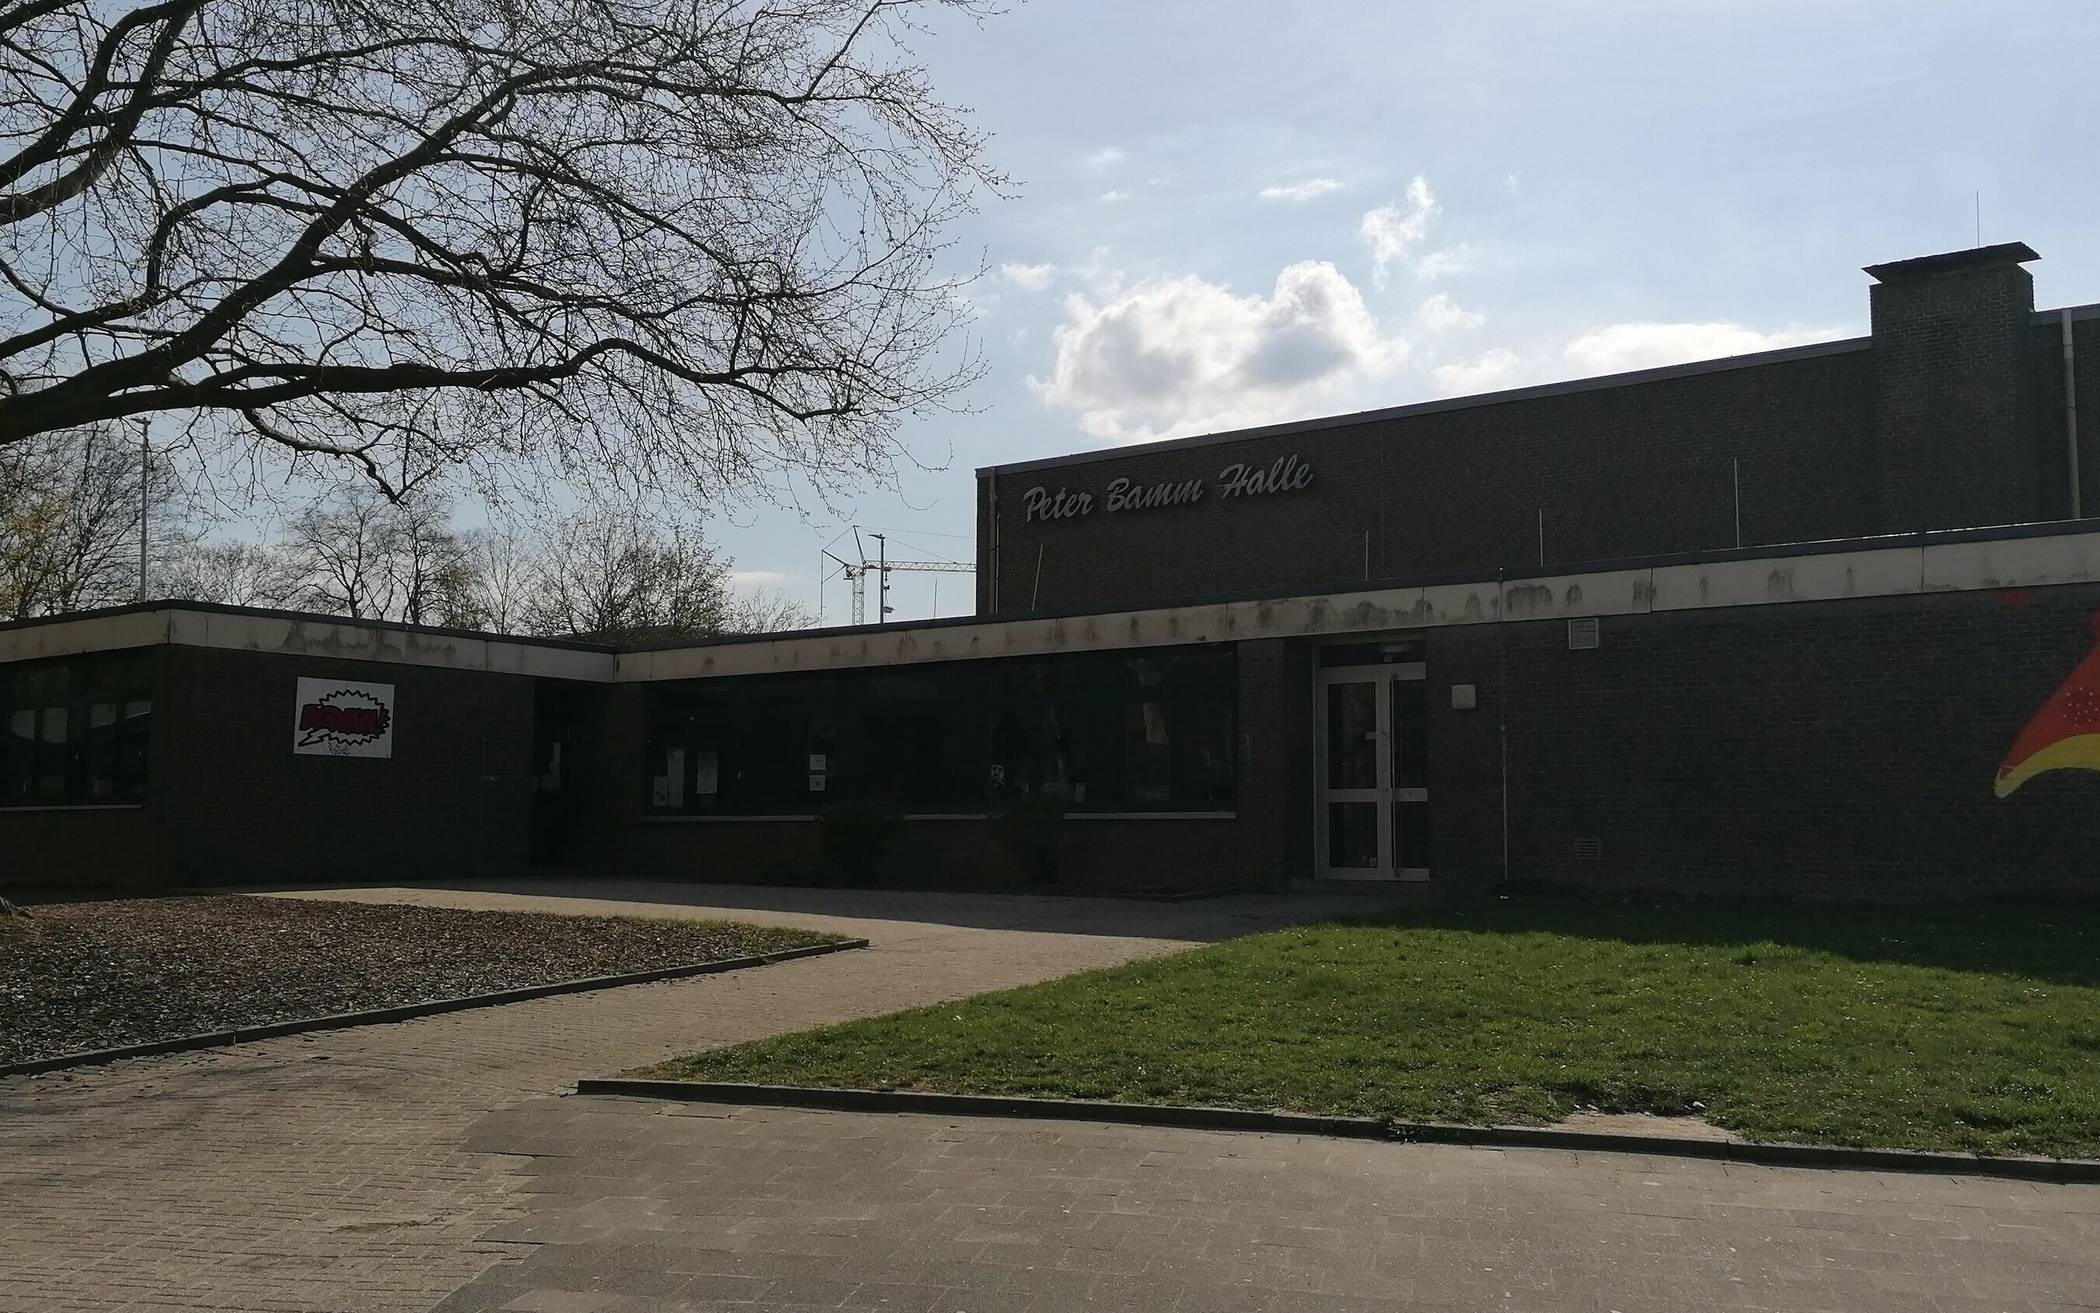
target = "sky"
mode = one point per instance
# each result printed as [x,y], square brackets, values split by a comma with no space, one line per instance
[1230,213]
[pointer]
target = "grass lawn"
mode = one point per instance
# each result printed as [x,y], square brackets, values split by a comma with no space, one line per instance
[1973,1028]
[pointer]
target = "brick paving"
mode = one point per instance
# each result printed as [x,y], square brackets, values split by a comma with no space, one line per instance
[331,1171]
[424,1165]
[641,1205]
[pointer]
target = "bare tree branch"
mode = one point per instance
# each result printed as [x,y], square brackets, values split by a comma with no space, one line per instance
[643,243]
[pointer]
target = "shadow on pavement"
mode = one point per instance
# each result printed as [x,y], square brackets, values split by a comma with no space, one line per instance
[1198,921]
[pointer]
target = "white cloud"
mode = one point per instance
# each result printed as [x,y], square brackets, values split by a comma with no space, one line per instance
[1297,193]
[758,578]
[1393,231]
[1512,183]
[1440,314]
[1184,355]
[1450,261]
[1114,194]
[1486,372]
[1107,157]
[1616,348]
[1028,277]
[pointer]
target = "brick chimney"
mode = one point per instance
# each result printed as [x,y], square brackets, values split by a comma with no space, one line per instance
[1954,414]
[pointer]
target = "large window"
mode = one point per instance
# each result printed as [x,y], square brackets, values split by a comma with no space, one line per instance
[1112,732]
[75,731]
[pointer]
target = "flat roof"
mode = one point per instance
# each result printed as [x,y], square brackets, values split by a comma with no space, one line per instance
[1946,262]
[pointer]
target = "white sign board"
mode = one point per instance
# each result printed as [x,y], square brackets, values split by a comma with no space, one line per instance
[338,718]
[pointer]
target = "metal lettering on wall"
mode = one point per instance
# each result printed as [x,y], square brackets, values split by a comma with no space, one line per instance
[1285,474]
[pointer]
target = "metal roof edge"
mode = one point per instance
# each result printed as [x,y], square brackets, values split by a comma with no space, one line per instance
[2089,528]
[278,613]
[1437,579]
[2043,318]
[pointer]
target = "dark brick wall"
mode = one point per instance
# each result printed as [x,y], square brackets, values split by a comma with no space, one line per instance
[1956,442]
[2045,350]
[1951,415]
[67,847]
[1820,750]
[1813,750]
[1276,759]
[1623,471]
[232,802]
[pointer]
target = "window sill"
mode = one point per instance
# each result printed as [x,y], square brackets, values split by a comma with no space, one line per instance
[76,807]
[969,816]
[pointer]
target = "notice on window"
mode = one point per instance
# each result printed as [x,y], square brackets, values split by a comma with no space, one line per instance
[707,773]
[816,784]
[674,771]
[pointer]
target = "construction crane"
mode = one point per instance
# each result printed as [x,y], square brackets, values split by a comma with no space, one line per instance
[857,572]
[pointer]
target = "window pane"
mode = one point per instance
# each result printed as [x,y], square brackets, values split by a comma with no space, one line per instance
[1410,734]
[76,732]
[1352,739]
[1411,834]
[19,759]
[1108,730]
[1207,757]
[1147,755]
[1352,835]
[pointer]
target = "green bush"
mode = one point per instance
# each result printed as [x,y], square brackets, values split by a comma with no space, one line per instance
[1029,828]
[856,837]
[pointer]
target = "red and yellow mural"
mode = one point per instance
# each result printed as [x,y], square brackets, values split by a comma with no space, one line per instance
[2065,733]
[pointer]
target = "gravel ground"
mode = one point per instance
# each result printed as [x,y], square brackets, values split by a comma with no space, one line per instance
[77,976]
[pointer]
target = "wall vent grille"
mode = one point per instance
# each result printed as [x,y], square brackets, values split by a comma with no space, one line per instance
[1582,634]
[1589,850]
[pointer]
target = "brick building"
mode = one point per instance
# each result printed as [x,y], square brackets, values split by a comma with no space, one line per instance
[1814,622]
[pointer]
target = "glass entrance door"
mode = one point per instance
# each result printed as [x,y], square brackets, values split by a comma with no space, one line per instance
[1373,794]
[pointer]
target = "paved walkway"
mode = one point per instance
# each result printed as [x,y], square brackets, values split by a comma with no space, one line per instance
[423,1165]
[642,1206]
[331,1172]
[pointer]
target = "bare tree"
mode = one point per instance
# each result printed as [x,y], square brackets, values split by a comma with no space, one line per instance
[233,573]
[500,571]
[343,550]
[694,240]
[69,521]
[429,566]
[619,578]
[765,612]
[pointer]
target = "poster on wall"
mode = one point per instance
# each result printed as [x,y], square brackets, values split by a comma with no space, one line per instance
[337,718]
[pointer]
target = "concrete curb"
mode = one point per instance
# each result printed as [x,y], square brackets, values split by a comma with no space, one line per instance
[2061,1170]
[410,1011]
